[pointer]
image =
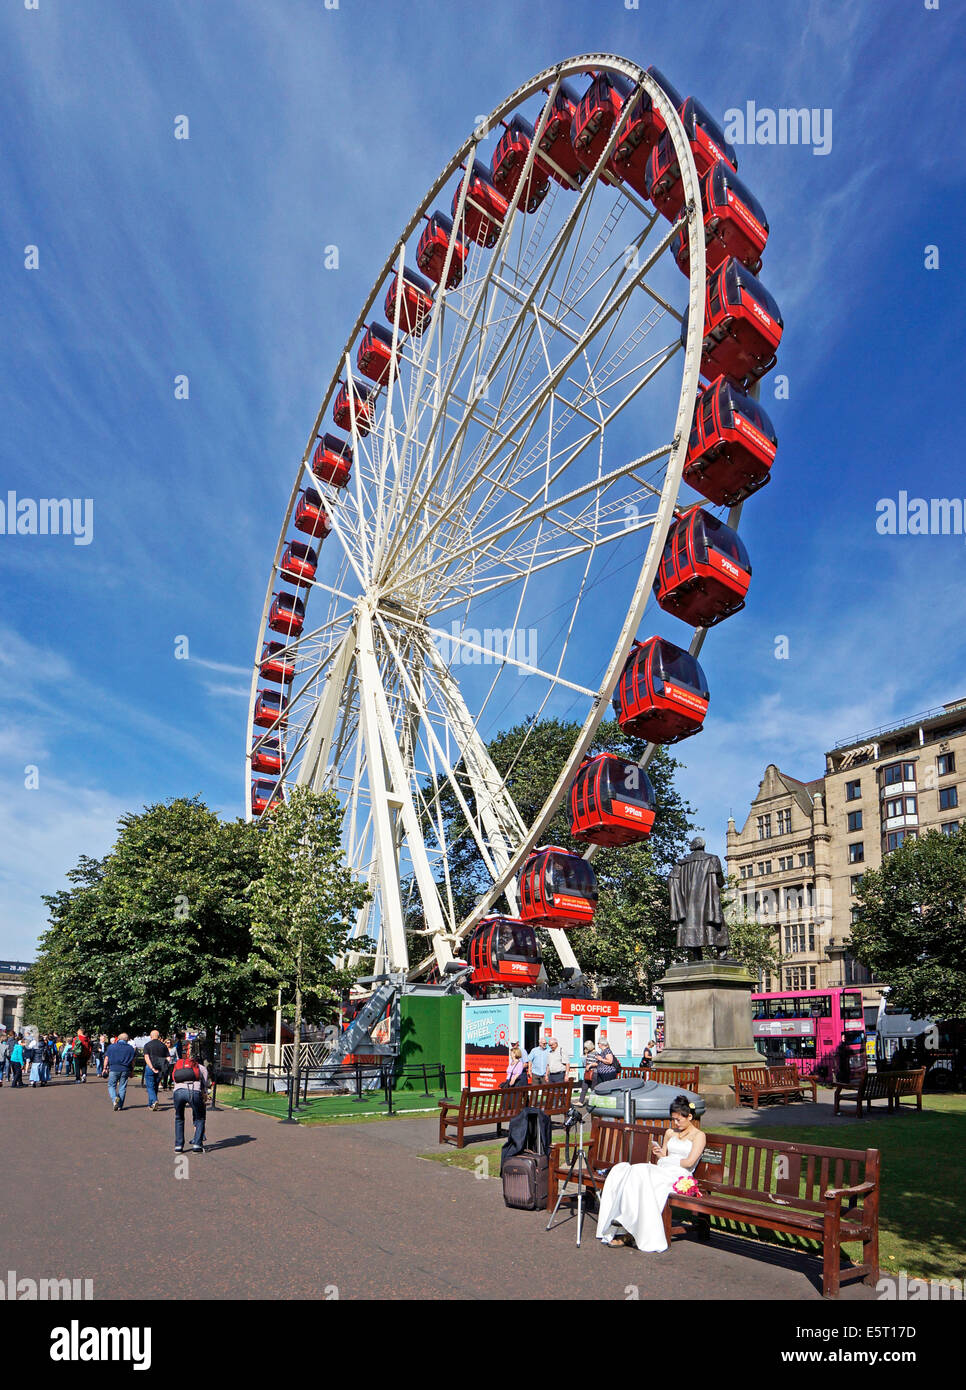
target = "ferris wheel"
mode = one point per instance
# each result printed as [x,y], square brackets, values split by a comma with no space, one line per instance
[479,516]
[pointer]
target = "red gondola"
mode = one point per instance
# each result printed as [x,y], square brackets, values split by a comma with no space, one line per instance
[507,164]
[298,563]
[286,615]
[433,247]
[557,888]
[271,706]
[503,951]
[704,571]
[555,141]
[612,801]
[734,223]
[732,445]
[359,409]
[663,182]
[593,121]
[265,797]
[642,130]
[662,694]
[274,667]
[416,302]
[485,208]
[310,515]
[332,461]
[742,325]
[268,756]
[374,356]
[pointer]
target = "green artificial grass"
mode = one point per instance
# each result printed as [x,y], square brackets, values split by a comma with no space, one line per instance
[922,1228]
[329,1109]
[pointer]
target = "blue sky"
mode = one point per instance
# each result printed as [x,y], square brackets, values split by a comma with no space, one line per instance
[311,127]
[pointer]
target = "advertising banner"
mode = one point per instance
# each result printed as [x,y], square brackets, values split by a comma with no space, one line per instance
[486,1046]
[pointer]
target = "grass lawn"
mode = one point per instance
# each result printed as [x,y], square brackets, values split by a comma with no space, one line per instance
[330,1109]
[922,1222]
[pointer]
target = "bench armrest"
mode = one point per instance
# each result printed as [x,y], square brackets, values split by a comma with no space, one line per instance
[858,1191]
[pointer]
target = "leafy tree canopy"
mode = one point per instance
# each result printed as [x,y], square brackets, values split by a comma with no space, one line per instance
[911,927]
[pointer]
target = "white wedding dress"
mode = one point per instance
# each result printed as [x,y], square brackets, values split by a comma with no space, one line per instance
[635,1194]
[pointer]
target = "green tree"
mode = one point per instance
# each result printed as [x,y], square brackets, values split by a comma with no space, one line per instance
[631,941]
[754,943]
[305,902]
[911,925]
[62,987]
[158,933]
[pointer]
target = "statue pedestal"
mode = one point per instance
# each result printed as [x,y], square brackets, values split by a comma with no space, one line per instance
[707,1021]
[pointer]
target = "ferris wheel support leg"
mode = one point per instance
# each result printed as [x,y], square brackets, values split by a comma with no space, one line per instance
[498,812]
[315,762]
[383,756]
[565,952]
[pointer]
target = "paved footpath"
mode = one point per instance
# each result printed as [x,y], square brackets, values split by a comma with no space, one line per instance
[282,1211]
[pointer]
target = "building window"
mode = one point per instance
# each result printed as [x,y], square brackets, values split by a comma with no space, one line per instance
[811,976]
[810,858]
[895,838]
[898,772]
[854,881]
[811,939]
[785,822]
[855,914]
[948,798]
[853,790]
[801,861]
[856,852]
[855,821]
[945,764]
[764,827]
[810,894]
[949,827]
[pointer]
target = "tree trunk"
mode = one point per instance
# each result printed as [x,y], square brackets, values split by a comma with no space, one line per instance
[296,1068]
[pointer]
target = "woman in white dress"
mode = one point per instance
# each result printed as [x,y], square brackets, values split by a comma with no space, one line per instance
[635,1194]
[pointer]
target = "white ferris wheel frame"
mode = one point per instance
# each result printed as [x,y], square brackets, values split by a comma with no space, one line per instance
[395,815]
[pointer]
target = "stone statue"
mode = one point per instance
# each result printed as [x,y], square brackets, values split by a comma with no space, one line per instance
[695,884]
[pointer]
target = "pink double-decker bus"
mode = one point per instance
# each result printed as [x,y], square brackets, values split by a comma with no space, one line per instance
[805,1028]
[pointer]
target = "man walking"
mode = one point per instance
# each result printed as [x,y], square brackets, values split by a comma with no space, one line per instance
[537,1063]
[556,1062]
[155,1062]
[190,1087]
[119,1061]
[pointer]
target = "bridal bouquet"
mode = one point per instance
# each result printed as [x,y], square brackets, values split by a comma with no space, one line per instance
[687,1187]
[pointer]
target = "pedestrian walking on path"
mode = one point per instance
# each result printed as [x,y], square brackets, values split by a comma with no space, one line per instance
[82,1055]
[16,1063]
[190,1088]
[119,1061]
[155,1062]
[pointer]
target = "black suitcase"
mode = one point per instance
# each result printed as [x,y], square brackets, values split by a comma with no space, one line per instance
[526,1181]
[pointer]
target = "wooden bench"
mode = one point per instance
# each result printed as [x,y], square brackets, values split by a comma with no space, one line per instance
[792,1080]
[493,1108]
[752,1083]
[878,1085]
[686,1078]
[828,1195]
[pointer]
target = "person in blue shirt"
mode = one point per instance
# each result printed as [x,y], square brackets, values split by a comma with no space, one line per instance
[537,1063]
[120,1061]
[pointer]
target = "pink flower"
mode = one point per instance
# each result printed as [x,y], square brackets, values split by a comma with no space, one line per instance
[687,1187]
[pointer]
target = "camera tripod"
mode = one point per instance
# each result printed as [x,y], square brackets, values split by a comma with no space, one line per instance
[575,1173]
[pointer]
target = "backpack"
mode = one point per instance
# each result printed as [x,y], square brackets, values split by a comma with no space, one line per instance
[79,1050]
[186,1071]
